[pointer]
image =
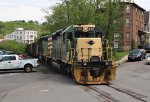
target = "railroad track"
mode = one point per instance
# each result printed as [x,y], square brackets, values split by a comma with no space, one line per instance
[133,94]
[107,96]
[103,94]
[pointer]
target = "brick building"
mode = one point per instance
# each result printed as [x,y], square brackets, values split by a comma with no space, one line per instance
[147,26]
[134,25]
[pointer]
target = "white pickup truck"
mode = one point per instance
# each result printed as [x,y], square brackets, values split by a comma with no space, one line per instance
[16,62]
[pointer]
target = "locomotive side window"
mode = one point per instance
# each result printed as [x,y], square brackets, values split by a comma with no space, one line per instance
[69,36]
[63,37]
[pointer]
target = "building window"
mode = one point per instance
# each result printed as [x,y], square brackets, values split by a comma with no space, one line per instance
[31,36]
[136,11]
[127,22]
[142,14]
[128,9]
[127,36]
[136,23]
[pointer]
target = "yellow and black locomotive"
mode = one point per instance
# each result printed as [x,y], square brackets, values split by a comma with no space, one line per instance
[80,51]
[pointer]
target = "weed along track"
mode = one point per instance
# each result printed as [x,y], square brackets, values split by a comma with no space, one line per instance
[114,94]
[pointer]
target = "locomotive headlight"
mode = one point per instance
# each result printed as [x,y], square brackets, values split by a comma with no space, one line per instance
[91,28]
[84,63]
[106,63]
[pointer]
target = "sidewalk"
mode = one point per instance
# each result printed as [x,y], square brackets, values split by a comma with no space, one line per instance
[125,58]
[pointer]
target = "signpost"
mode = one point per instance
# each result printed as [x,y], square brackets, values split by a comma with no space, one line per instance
[116,36]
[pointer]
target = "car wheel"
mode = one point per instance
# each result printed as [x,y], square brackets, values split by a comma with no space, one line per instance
[129,59]
[141,58]
[28,68]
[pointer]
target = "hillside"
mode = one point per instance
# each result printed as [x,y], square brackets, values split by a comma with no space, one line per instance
[9,27]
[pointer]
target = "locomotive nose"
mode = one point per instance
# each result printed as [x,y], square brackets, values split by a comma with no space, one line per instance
[88,47]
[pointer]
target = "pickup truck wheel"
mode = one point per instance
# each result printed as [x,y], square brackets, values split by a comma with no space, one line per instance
[28,68]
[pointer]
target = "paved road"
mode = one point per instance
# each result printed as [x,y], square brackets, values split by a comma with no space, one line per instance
[134,78]
[131,85]
[12,80]
[41,87]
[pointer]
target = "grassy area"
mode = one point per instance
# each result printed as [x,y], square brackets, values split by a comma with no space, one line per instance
[119,55]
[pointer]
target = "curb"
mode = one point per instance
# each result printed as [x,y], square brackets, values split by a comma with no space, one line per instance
[124,59]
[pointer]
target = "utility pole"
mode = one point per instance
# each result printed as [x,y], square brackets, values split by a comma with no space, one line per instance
[68,16]
[109,20]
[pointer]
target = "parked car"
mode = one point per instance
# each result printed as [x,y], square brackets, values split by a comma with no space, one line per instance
[9,62]
[137,54]
[2,52]
[147,47]
[148,59]
[9,52]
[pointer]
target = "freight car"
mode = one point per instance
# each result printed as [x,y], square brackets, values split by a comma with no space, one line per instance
[39,48]
[81,51]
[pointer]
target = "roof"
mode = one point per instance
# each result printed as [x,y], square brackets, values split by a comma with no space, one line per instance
[133,3]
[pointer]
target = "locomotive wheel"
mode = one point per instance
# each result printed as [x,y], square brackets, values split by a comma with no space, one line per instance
[62,69]
[68,70]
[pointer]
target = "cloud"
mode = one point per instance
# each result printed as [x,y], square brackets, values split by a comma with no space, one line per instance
[143,3]
[24,10]
[21,13]
[32,9]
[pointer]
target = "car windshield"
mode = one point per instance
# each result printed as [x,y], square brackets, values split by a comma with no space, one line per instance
[136,51]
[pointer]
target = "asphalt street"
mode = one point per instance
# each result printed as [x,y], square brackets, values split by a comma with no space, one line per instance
[133,79]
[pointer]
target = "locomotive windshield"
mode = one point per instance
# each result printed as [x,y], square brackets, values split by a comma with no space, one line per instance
[84,34]
[88,34]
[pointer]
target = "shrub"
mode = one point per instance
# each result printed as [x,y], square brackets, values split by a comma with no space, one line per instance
[13,46]
[133,45]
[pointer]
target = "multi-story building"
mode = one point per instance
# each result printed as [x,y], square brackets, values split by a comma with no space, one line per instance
[133,29]
[21,35]
[147,25]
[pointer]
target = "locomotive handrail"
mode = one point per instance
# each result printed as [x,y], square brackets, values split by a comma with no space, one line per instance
[72,51]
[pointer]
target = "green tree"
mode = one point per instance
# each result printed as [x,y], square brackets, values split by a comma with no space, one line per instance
[133,44]
[1,27]
[13,46]
[106,14]
[9,27]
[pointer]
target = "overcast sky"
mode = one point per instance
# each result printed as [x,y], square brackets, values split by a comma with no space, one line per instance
[11,10]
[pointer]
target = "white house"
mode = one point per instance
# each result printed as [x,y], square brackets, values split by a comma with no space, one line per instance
[21,35]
